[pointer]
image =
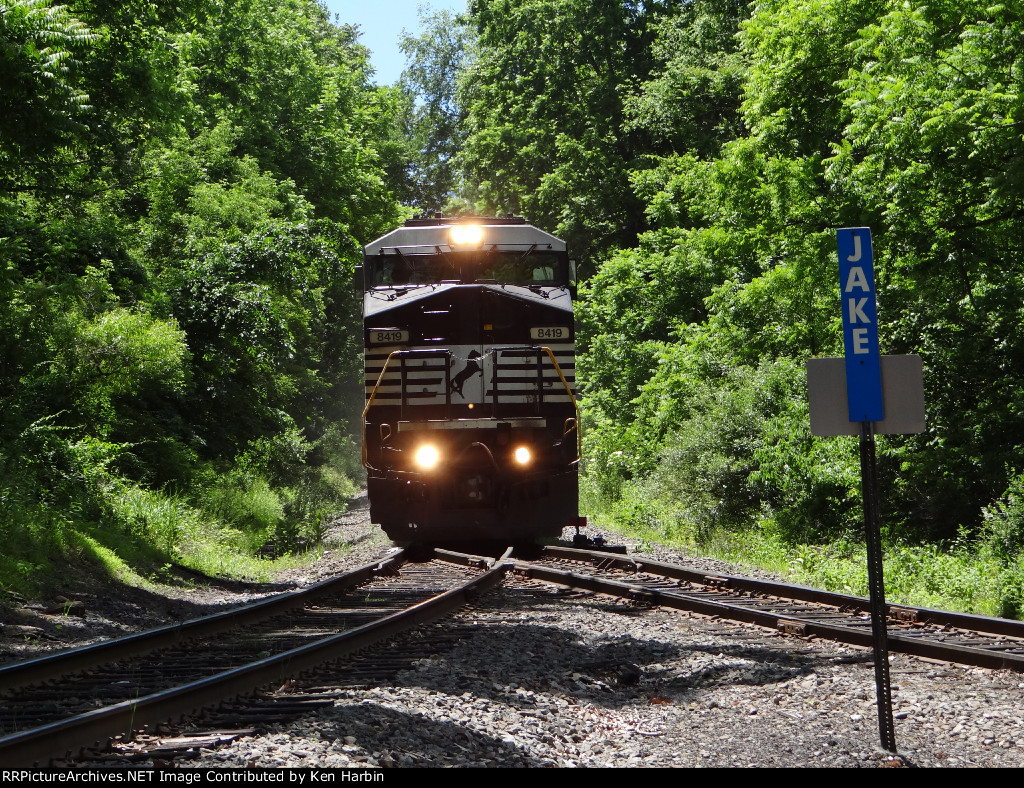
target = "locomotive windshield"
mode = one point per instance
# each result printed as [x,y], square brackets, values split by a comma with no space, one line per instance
[525,267]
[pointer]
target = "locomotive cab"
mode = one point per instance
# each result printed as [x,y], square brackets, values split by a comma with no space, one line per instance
[470,427]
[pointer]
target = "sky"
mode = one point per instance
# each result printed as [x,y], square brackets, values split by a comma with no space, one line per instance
[381,23]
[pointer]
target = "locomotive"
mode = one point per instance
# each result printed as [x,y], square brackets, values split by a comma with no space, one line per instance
[471,429]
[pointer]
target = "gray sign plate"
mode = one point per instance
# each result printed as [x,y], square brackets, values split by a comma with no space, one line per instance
[902,397]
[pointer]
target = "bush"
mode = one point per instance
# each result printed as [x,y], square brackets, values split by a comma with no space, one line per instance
[245,502]
[1002,532]
[746,451]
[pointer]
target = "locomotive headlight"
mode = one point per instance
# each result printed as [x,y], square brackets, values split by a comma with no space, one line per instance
[427,457]
[466,234]
[522,455]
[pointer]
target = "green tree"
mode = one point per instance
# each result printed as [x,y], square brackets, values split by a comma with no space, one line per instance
[545,114]
[297,90]
[435,61]
[932,150]
[905,119]
[43,105]
[690,101]
[181,189]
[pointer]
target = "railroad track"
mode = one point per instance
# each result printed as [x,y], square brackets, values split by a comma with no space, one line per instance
[796,610]
[151,678]
[55,705]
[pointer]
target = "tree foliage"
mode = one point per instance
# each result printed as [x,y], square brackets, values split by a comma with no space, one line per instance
[544,113]
[903,118]
[181,190]
[42,105]
[434,125]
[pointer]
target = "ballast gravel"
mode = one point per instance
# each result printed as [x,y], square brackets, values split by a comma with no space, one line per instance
[541,684]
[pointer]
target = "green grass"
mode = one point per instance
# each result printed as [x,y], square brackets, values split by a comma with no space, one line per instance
[962,577]
[140,536]
[132,561]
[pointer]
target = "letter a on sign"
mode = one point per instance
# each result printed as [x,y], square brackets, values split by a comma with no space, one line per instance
[860,324]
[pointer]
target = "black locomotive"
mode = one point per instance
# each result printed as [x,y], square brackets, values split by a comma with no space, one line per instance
[471,429]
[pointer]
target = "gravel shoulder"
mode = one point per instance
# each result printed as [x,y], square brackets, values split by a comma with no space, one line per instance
[599,683]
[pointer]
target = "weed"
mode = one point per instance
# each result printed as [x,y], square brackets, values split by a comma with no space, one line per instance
[27,568]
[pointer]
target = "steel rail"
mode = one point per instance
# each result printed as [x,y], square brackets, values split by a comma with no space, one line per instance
[920,615]
[51,666]
[42,744]
[916,645]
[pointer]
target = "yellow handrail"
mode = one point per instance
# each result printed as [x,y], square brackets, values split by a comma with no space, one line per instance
[369,402]
[575,406]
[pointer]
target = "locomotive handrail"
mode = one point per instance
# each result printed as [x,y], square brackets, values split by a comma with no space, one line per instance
[402,353]
[561,376]
[380,378]
[572,398]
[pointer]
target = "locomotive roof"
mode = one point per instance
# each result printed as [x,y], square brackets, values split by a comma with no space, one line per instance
[426,235]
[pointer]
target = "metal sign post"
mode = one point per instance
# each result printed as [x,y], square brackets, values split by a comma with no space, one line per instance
[903,401]
[865,404]
[876,587]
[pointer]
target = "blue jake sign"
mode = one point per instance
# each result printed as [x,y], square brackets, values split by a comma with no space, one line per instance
[860,324]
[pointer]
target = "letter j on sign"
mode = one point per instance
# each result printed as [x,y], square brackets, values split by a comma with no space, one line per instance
[860,324]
